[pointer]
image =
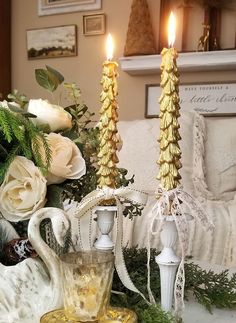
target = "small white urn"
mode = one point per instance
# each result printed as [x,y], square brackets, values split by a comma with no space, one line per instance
[105,221]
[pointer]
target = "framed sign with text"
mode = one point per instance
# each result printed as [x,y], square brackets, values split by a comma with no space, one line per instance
[213,99]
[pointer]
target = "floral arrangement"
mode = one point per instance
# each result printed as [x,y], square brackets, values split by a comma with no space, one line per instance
[48,153]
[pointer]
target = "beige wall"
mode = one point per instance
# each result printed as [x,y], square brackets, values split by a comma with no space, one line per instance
[85,69]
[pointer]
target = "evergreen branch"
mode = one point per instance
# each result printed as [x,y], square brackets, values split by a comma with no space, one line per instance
[209,288]
[10,157]
[36,142]
[14,130]
[19,131]
[4,123]
[48,152]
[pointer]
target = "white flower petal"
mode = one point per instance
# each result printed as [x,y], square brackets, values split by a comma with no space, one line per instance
[78,167]
[53,115]
[67,160]
[23,190]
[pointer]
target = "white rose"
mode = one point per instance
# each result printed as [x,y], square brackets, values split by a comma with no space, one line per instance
[53,115]
[4,104]
[67,161]
[23,190]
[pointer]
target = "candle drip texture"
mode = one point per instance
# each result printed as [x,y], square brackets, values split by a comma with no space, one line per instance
[108,137]
[170,153]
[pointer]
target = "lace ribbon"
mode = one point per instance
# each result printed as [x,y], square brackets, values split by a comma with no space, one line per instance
[198,176]
[176,202]
[120,195]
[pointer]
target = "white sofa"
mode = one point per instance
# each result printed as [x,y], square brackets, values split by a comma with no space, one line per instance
[209,173]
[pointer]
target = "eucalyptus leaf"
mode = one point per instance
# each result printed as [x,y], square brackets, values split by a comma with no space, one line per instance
[29,115]
[14,108]
[44,127]
[71,134]
[57,74]
[18,98]
[69,107]
[46,79]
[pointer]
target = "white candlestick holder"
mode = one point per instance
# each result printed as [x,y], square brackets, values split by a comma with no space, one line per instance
[168,262]
[105,222]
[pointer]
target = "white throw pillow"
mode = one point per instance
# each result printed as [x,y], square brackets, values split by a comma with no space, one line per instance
[140,150]
[220,157]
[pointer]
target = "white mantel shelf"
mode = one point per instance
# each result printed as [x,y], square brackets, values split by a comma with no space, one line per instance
[188,62]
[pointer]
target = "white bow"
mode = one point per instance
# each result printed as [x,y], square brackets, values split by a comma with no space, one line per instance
[120,195]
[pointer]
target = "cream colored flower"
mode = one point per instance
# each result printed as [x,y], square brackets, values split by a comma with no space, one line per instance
[53,115]
[23,190]
[67,161]
[4,104]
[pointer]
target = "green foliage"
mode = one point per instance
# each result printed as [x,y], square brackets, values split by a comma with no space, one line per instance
[154,313]
[210,289]
[136,260]
[54,196]
[78,189]
[73,91]
[59,77]
[81,117]
[48,78]
[132,210]
[19,136]
[18,98]
[7,161]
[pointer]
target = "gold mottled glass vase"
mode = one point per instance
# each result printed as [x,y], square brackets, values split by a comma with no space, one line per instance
[87,280]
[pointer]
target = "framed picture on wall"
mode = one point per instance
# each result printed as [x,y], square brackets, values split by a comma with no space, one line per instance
[94,24]
[152,93]
[52,42]
[208,99]
[52,7]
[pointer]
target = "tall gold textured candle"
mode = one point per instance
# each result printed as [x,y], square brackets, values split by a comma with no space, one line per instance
[108,138]
[170,153]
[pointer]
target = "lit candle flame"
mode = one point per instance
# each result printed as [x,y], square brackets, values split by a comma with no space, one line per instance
[171,29]
[109,47]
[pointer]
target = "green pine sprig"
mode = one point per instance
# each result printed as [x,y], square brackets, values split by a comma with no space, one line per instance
[10,157]
[209,289]
[19,136]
